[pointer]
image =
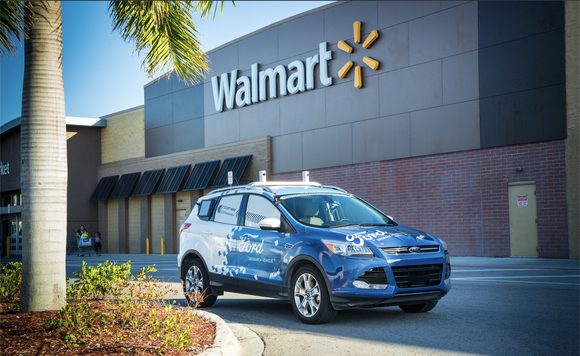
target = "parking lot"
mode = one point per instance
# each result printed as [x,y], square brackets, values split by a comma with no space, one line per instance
[497,306]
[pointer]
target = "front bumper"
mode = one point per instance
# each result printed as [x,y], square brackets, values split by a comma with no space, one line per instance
[410,280]
[347,302]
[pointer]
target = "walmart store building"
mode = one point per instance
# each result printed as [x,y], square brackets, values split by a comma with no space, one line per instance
[458,118]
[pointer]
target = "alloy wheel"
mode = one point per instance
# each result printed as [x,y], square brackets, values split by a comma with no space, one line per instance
[307,295]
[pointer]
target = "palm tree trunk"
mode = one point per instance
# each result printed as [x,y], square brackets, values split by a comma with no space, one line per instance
[44,164]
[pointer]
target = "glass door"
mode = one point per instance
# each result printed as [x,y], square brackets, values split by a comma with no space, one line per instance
[15,235]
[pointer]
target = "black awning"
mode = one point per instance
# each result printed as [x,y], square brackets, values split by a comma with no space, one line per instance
[104,188]
[148,182]
[125,186]
[200,175]
[237,165]
[173,179]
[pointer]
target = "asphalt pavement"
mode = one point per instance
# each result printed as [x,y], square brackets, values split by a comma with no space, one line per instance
[497,306]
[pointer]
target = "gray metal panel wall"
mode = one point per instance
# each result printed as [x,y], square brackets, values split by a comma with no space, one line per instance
[521,72]
[427,77]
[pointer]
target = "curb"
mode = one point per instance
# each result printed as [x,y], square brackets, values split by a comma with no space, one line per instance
[238,340]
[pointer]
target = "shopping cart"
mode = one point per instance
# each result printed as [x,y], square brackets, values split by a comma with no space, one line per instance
[83,243]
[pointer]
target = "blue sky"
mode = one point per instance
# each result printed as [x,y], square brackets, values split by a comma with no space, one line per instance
[101,73]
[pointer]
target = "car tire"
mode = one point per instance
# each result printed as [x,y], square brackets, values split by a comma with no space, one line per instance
[195,284]
[309,296]
[418,308]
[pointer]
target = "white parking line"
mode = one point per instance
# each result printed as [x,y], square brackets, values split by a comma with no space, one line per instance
[530,282]
[505,277]
[500,269]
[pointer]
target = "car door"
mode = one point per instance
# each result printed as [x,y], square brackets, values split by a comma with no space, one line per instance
[260,253]
[224,264]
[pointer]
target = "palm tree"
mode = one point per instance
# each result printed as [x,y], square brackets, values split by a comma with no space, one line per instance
[164,30]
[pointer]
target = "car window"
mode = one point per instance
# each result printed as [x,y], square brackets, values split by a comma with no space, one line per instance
[228,209]
[258,209]
[332,210]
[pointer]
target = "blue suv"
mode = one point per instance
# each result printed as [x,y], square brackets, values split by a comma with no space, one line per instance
[317,246]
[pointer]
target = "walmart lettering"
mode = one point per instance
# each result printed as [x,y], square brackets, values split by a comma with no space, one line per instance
[247,91]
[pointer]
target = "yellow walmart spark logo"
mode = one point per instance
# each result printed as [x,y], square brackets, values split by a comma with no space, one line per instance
[373,64]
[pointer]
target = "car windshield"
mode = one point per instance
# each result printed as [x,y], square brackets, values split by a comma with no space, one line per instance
[333,211]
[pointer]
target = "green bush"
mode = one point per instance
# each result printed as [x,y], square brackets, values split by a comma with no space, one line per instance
[137,303]
[10,281]
[97,282]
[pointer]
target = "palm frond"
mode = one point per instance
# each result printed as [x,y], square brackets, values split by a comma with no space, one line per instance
[166,32]
[14,17]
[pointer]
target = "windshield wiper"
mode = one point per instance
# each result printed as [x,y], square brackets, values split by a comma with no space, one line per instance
[378,224]
[344,225]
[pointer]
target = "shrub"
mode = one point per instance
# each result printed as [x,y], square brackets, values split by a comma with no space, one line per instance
[10,281]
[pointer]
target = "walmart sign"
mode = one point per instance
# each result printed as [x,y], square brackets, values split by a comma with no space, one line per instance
[247,91]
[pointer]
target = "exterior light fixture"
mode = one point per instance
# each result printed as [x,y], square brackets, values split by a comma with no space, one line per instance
[518,169]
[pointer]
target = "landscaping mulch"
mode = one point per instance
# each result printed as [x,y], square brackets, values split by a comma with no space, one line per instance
[30,334]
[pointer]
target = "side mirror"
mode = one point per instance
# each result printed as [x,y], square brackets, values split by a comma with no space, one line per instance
[271,224]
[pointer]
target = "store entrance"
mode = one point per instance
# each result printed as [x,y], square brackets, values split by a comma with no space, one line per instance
[15,235]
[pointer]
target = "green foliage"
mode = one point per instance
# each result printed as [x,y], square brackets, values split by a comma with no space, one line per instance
[137,303]
[10,281]
[166,32]
[97,282]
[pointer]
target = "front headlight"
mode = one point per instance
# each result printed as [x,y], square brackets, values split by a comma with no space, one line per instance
[348,250]
[444,246]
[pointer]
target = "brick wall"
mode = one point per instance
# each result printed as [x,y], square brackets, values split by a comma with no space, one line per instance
[112,237]
[124,136]
[157,222]
[135,225]
[462,197]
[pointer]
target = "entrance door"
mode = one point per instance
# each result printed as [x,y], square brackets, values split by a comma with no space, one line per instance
[15,235]
[523,219]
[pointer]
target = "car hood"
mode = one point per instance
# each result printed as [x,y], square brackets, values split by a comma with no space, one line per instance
[379,236]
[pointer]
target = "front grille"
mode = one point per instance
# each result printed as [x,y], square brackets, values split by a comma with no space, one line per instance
[374,276]
[418,276]
[405,250]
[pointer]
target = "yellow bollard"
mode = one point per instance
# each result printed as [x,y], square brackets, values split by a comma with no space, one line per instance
[7,246]
[147,250]
[162,248]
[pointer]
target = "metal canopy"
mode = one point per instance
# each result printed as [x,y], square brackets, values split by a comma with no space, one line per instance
[172,179]
[104,188]
[237,165]
[148,182]
[200,175]
[125,186]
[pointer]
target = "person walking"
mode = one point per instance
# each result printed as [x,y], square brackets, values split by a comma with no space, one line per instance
[98,243]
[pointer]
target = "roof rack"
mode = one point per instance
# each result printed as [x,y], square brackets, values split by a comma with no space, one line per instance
[335,188]
[286,184]
[266,186]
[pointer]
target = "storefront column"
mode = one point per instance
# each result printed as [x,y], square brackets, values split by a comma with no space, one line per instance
[123,225]
[145,222]
[103,226]
[169,238]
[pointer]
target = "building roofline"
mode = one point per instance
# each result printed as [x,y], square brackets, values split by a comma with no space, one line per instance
[105,117]
[70,121]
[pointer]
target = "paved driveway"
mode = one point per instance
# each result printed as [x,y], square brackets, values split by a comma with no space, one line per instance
[497,306]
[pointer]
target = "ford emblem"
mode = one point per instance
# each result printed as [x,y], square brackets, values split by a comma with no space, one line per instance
[415,249]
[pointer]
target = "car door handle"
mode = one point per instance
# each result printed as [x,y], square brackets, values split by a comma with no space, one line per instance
[207,233]
[288,246]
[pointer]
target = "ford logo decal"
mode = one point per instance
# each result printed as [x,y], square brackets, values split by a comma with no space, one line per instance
[415,249]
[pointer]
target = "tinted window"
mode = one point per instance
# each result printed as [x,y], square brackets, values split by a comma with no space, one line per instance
[258,209]
[228,209]
[333,210]
[206,208]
